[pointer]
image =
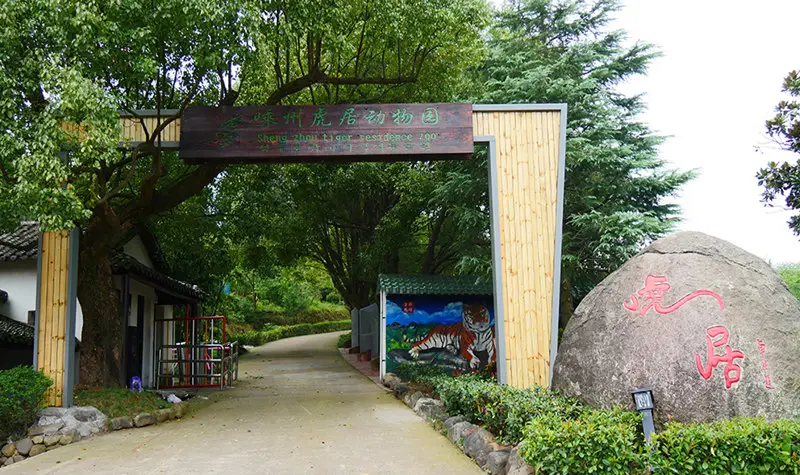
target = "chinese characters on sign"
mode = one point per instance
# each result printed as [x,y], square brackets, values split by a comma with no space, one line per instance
[731,370]
[300,133]
[227,132]
[652,295]
[762,350]
[408,306]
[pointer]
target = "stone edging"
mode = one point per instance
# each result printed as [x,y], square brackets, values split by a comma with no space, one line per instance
[44,438]
[475,441]
[145,419]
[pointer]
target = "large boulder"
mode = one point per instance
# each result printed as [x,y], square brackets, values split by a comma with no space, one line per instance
[710,328]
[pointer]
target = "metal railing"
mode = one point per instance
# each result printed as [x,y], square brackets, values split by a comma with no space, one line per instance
[200,360]
[208,364]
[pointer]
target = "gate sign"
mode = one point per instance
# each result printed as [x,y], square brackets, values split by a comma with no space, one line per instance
[335,133]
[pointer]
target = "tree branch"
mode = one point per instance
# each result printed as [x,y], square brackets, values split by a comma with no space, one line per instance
[318,77]
[174,194]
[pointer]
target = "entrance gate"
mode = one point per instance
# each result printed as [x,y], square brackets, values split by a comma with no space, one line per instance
[526,145]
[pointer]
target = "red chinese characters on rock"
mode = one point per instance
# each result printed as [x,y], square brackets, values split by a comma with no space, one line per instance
[731,370]
[652,296]
[762,350]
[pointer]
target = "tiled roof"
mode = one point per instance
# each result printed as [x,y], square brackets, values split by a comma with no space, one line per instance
[23,243]
[20,244]
[19,333]
[12,331]
[433,285]
[124,263]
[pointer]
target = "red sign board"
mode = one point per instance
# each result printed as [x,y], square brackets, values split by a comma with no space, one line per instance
[364,132]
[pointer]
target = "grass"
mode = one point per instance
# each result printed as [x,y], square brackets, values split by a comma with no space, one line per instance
[120,402]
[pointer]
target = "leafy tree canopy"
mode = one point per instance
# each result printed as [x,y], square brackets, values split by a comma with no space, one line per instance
[782,180]
[67,67]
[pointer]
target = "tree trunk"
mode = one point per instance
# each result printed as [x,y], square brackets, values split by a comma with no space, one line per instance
[102,342]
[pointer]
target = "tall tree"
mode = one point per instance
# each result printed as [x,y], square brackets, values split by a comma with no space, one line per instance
[355,220]
[73,62]
[782,179]
[615,184]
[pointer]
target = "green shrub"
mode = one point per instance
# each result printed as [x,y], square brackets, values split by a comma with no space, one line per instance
[344,340]
[606,442]
[422,373]
[258,338]
[317,312]
[22,391]
[502,410]
[741,445]
[559,435]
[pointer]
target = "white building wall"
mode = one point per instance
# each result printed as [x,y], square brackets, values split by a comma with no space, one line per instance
[18,278]
[150,301]
[135,248]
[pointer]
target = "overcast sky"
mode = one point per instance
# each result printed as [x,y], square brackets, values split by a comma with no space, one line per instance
[718,81]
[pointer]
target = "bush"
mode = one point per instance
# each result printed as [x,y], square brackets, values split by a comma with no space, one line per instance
[258,338]
[559,435]
[741,445]
[317,312]
[502,410]
[22,391]
[344,340]
[422,373]
[595,442]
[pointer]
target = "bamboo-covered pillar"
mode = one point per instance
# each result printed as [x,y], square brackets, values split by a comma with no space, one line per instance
[54,342]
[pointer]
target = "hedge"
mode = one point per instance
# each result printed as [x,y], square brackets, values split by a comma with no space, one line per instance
[559,435]
[258,338]
[320,313]
[22,391]
[591,442]
[345,340]
[740,445]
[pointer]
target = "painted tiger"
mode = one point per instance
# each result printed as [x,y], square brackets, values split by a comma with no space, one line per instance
[473,334]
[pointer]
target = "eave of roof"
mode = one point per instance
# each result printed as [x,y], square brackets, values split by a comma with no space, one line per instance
[23,244]
[123,263]
[433,285]
[20,244]
[12,331]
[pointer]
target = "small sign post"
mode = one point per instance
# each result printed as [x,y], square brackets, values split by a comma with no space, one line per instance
[643,400]
[328,134]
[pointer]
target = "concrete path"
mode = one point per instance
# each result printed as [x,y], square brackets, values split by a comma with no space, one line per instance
[299,408]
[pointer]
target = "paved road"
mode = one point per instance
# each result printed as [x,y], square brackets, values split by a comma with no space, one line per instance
[299,408]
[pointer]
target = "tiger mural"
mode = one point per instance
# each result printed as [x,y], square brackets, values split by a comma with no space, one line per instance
[475,333]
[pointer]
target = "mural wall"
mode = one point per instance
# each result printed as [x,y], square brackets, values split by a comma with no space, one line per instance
[454,332]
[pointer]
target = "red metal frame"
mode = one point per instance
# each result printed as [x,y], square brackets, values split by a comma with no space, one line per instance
[224,344]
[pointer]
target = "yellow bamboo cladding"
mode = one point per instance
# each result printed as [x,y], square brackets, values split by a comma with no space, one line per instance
[51,337]
[133,131]
[527,157]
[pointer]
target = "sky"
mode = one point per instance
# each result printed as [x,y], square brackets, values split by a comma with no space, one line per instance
[716,84]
